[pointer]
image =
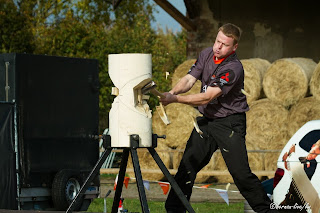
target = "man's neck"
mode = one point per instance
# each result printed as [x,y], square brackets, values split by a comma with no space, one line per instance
[219,61]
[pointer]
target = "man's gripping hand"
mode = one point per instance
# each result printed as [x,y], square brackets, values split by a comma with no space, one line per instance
[169,98]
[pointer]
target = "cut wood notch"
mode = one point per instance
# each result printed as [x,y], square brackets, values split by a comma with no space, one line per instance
[150,87]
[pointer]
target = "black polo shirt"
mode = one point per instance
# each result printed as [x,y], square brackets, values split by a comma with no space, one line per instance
[229,76]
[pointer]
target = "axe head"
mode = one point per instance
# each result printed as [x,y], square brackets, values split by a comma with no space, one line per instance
[149,86]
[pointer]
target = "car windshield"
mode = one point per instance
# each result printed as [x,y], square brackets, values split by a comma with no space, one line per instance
[309,139]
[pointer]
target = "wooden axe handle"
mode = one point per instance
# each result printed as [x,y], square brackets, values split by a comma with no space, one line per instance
[157,93]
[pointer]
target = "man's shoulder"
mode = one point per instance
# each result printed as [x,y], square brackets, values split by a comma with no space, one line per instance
[233,61]
[234,65]
[207,50]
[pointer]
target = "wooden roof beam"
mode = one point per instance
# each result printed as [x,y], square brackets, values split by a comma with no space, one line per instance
[177,15]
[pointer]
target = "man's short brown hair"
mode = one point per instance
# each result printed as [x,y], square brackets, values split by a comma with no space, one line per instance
[231,30]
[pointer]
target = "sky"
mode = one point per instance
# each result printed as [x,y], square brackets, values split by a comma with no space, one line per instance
[163,19]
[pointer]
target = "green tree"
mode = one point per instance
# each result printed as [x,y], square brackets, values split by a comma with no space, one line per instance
[130,32]
[168,51]
[15,30]
[91,29]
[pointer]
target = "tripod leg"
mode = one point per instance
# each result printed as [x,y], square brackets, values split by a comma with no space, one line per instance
[171,180]
[92,175]
[137,172]
[122,173]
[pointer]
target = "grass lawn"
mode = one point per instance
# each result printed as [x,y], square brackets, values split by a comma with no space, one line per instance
[133,205]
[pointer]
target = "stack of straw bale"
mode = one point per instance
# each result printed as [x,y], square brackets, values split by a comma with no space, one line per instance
[254,70]
[287,80]
[271,122]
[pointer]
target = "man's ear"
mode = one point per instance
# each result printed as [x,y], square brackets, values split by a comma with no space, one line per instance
[235,47]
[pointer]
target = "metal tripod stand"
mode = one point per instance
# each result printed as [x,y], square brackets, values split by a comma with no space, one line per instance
[134,144]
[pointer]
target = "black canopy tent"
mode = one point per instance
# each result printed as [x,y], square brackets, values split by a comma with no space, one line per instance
[8,179]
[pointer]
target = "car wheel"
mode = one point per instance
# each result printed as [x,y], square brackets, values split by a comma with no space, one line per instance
[65,187]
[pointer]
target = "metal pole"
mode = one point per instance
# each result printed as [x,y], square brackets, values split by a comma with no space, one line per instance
[172,181]
[92,175]
[122,173]
[105,202]
[137,172]
[7,87]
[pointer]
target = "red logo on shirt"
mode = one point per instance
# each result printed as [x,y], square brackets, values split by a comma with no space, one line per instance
[226,77]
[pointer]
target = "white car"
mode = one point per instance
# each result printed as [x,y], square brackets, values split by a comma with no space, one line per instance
[297,179]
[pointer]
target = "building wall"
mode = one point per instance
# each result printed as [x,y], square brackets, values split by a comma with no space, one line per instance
[271,29]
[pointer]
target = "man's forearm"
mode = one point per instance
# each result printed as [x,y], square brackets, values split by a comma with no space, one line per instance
[194,99]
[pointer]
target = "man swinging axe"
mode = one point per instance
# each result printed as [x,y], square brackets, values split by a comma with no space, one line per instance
[223,106]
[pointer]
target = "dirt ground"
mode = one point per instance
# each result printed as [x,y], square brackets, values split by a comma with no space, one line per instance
[156,194]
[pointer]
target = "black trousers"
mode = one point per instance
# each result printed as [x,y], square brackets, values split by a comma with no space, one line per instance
[227,134]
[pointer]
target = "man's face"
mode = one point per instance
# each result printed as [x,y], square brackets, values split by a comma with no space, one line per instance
[223,46]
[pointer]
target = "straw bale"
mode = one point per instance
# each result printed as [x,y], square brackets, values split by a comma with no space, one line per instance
[271,161]
[287,80]
[256,163]
[146,161]
[254,70]
[178,131]
[177,156]
[305,110]
[220,165]
[202,178]
[181,71]
[181,126]
[158,127]
[266,125]
[315,82]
